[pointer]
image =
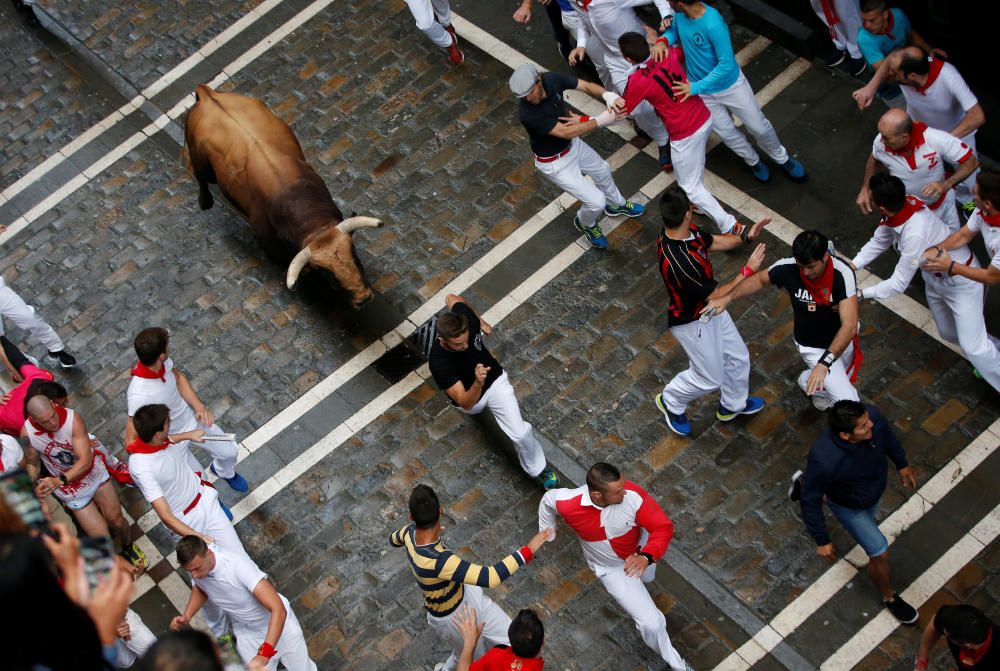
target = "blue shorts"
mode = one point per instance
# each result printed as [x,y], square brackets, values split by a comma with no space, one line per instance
[861,524]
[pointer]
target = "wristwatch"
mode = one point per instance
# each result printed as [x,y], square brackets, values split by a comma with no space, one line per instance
[62,477]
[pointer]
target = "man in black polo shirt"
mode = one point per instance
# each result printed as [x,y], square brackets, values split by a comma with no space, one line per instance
[561,156]
[825,307]
[474,380]
[718,356]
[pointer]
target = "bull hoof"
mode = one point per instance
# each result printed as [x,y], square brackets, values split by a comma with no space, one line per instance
[205,201]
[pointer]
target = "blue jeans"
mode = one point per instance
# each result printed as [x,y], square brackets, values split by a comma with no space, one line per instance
[861,524]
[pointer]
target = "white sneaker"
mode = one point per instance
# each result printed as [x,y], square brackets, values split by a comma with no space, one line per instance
[822,401]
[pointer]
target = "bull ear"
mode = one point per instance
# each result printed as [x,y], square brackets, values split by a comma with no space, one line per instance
[295,267]
[354,223]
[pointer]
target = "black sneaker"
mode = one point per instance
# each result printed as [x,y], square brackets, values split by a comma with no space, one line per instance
[61,358]
[666,162]
[795,489]
[834,57]
[854,66]
[901,610]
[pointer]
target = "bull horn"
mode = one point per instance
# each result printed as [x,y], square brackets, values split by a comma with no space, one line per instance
[354,223]
[296,266]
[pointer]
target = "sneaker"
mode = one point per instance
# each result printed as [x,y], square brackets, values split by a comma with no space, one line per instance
[794,169]
[795,489]
[854,66]
[754,405]
[742,230]
[451,29]
[238,483]
[455,55]
[595,236]
[822,402]
[976,374]
[225,509]
[760,171]
[629,209]
[901,610]
[834,57]
[547,479]
[966,209]
[135,557]
[666,163]
[61,358]
[679,424]
[227,640]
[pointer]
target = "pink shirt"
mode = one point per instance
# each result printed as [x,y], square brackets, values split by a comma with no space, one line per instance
[652,81]
[12,412]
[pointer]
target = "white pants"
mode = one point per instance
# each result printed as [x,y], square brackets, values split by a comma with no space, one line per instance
[568,174]
[223,453]
[595,50]
[956,303]
[292,651]
[140,640]
[645,116]
[689,166]
[632,595]
[738,99]
[947,211]
[719,359]
[23,316]
[845,33]
[424,12]
[502,402]
[490,616]
[963,190]
[837,385]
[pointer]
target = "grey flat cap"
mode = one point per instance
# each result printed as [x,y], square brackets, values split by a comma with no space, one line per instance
[523,79]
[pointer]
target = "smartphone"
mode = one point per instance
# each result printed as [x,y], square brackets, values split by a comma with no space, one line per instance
[18,492]
[98,559]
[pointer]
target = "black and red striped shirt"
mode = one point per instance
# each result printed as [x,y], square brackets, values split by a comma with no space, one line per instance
[687,274]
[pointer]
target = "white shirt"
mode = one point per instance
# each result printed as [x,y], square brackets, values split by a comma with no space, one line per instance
[165,474]
[10,453]
[927,160]
[610,19]
[991,236]
[230,587]
[944,100]
[143,391]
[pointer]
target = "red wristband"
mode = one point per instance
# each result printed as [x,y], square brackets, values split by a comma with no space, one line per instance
[746,271]
[584,119]
[662,39]
[266,650]
[527,554]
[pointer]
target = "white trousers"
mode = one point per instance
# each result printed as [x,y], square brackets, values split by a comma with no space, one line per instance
[140,640]
[632,595]
[719,359]
[956,303]
[963,190]
[501,401]
[845,33]
[595,49]
[292,651]
[223,453]
[689,167]
[645,116]
[738,99]
[947,211]
[431,17]
[490,616]
[837,385]
[23,316]
[568,174]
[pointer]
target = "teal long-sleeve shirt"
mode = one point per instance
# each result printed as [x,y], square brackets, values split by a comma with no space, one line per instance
[708,51]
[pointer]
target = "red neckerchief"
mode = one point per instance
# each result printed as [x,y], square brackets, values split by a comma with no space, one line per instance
[990,219]
[41,430]
[888,28]
[909,151]
[583,4]
[932,76]
[972,657]
[143,371]
[821,289]
[139,446]
[830,12]
[910,208]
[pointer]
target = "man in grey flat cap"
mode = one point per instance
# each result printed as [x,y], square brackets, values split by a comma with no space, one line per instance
[561,156]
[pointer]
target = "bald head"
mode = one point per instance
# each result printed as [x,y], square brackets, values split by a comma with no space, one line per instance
[43,412]
[895,127]
[910,66]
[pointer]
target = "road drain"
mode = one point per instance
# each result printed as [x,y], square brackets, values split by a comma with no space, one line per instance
[409,355]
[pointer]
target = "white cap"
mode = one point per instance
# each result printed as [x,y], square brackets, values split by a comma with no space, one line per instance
[523,80]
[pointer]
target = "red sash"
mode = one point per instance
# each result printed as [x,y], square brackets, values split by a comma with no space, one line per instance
[141,370]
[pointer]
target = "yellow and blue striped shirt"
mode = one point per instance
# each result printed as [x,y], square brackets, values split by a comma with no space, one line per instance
[441,573]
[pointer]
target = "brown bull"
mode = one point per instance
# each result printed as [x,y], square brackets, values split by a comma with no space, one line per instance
[239,144]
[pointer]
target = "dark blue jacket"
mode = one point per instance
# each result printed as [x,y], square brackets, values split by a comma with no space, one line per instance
[852,475]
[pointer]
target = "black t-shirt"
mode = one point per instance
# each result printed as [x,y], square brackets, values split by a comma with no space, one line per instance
[449,367]
[815,324]
[989,661]
[687,273]
[539,119]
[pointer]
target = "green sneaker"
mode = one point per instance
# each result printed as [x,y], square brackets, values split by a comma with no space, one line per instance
[968,208]
[629,209]
[227,641]
[547,479]
[595,236]
[977,374]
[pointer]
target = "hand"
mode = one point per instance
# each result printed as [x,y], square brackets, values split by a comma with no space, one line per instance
[908,476]
[816,378]
[122,631]
[718,304]
[109,602]
[523,14]
[195,435]
[863,97]
[209,540]
[758,227]
[864,200]
[94,443]
[682,90]
[572,120]
[666,23]
[614,102]
[576,55]
[481,373]
[46,486]
[178,623]
[204,416]
[756,259]
[465,622]
[540,539]
[827,551]
[936,263]
[5,399]
[635,565]
[658,51]
[258,663]
[937,53]
[934,190]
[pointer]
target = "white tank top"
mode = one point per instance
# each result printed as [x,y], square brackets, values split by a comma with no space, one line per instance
[56,450]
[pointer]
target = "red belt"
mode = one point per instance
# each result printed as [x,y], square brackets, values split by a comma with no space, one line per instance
[967,262]
[549,159]
[937,203]
[193,504]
